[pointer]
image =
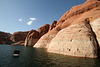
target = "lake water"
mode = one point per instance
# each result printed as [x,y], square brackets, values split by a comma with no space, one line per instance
[34,57]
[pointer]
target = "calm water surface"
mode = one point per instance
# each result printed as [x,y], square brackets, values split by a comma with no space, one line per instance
[33,57]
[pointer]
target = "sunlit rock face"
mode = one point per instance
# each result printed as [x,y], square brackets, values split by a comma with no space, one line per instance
[90,9]
[72,35]
[75,40]
[96,28]
[44,41]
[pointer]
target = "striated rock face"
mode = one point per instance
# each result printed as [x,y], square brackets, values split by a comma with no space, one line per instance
[5,38]
[75,15]
[77,37]
[90,9]
[44,29]
[44,41]
[19,36]
[53,25]
[31,38]
[75,40]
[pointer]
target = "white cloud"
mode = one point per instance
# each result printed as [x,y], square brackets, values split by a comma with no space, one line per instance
[32,19]
[20,19]
[29,23]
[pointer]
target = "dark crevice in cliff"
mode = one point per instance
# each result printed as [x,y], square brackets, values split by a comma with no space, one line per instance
[98,48]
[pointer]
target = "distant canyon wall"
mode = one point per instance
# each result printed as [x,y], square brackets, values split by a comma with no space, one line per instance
[5,38]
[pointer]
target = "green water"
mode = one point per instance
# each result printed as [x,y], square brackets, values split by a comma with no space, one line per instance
[34,57]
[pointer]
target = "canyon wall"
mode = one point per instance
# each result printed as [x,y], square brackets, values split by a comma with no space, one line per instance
[33,36]
[76,33]
[75,40]
[18,36]
[5,38]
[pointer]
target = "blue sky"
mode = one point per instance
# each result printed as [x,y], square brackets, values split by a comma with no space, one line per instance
[24,15]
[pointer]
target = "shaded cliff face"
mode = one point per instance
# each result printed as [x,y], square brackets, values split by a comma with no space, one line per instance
[19,36]
[32,38]
[53,25]
[89,11]
[5,38]
[44,29]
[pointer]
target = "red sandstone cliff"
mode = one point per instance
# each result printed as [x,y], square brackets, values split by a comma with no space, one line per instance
[44,29]
[5,38]
[53,25]
[72,35]
[18,36]
[33,36]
